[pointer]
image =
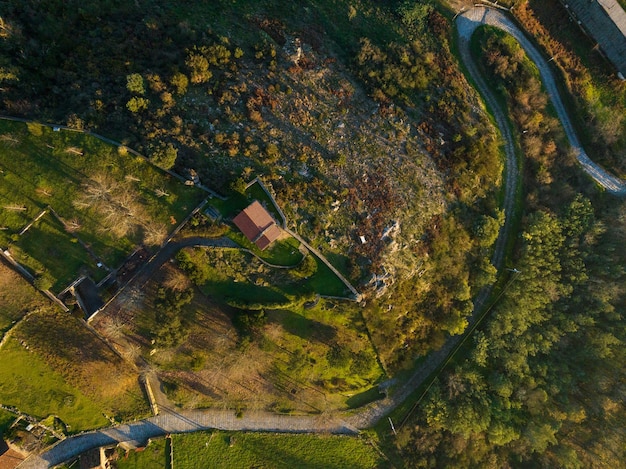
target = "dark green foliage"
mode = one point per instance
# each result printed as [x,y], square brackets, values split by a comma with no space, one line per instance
[248,322]
[306,268]
[514,392]
[171,329]
[339,356]
[394,72]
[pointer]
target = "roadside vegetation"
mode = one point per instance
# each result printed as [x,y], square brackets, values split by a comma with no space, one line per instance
[239,450]
[597,96]
[540,385]
[242,450]
[153,456]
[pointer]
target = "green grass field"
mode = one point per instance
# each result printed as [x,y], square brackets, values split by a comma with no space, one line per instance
[85,362]
[246,450]
[107,197]
[29,384]
[255,450]
[239,278]
[154,456]
[17,297]
[47,247]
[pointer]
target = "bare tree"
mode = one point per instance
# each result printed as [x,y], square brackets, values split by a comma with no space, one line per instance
[160,192]
[176,280]
[9,140]
[74,150]
[154,233]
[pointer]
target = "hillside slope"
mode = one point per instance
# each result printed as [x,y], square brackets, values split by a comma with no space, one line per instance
[355,113]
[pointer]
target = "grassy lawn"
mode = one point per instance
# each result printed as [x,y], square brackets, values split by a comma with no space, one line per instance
[85,362]
[154,456]
[282,252]
[231,207]
[236,276]
[245,450]
[17,297]
[325,282]
[47,247]
[108,198]
[29,384]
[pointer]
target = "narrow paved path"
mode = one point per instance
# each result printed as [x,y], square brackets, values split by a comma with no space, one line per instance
[466,25]
[186,421]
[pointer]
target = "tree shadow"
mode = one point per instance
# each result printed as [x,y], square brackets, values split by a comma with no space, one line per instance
[301,326]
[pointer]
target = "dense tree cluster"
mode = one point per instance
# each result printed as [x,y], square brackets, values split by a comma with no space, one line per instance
[172,327]
[536,377]
[541,385]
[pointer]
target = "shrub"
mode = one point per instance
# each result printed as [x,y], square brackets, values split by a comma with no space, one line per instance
[135,83]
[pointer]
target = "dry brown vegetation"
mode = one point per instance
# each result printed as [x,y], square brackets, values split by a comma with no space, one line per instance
[85,361]
[17,297]
[283,366]
[118,206]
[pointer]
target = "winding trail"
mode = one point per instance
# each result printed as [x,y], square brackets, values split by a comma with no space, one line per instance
[467,23]
[174,421]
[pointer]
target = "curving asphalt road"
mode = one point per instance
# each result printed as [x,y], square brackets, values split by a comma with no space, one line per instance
[171,421]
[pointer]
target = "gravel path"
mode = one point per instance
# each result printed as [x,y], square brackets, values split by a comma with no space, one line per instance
[187,421]
[467,24]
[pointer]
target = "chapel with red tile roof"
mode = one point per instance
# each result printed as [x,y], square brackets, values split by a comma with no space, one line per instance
[257,225]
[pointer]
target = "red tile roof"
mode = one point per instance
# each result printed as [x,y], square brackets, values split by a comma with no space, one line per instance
[257,225]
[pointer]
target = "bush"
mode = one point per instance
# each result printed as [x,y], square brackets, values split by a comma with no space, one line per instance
[44,281]
[135,84]
[338,356]
[136,104]
[165,155]
[180,82]
[307,267]
[247,322]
